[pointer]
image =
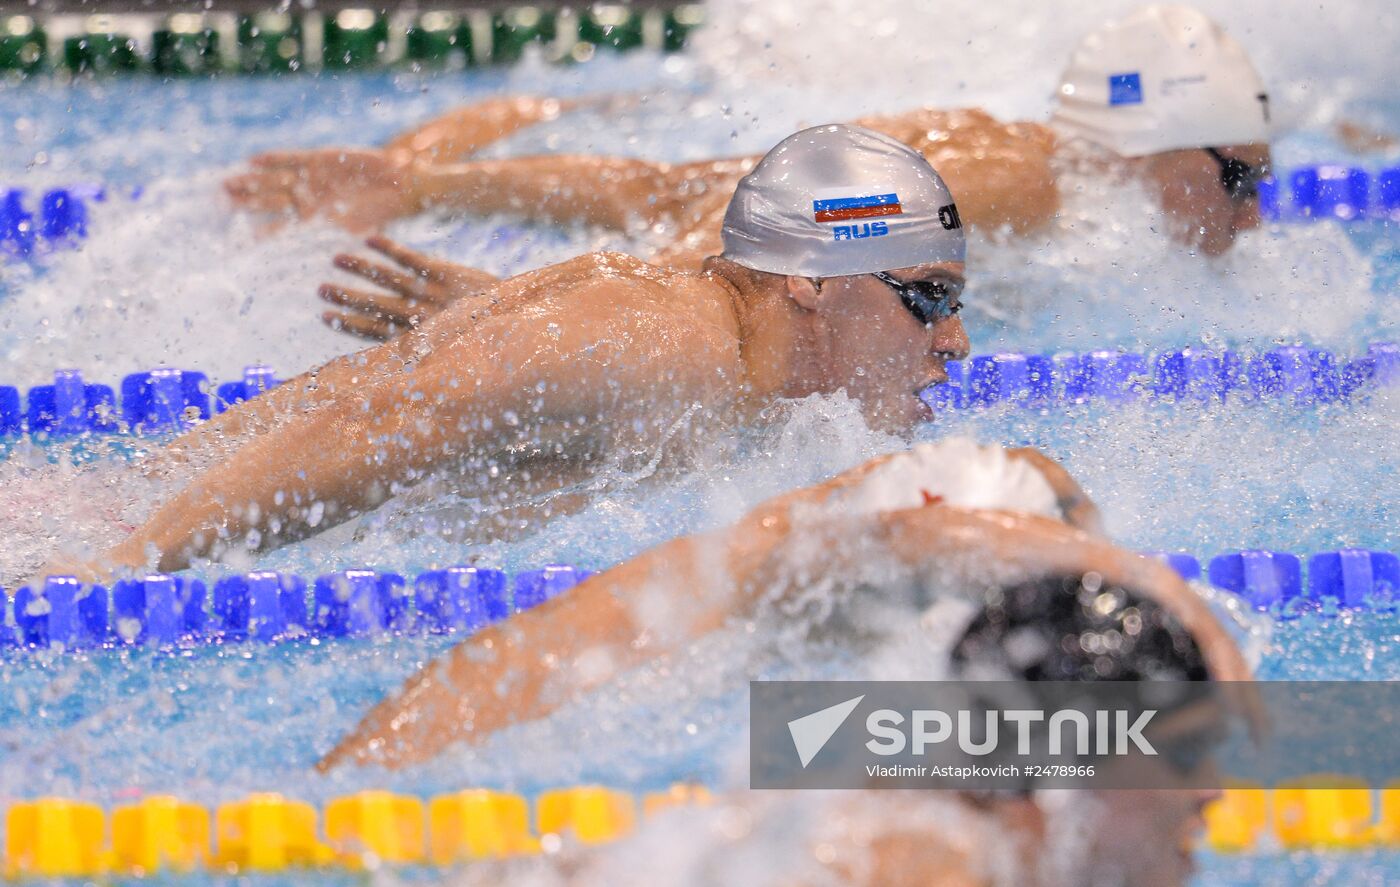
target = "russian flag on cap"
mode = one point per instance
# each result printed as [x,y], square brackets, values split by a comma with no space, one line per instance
[844,204]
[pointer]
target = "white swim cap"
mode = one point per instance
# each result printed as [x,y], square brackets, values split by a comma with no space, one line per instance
[836,200]
[1165,77]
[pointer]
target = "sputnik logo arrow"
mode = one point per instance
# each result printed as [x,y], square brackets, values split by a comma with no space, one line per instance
[810,733]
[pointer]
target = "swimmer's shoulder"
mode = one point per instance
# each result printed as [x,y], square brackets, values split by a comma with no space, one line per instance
[611,282]
[629,274]
[924,128]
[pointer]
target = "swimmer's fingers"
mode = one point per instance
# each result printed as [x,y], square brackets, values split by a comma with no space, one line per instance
[264,192]
[452,280]
[359,325]
[401,283]
[405,312]
[297,161]
[421,264]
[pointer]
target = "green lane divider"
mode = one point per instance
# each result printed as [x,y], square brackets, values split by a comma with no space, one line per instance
[185,47]
[615,27]
[279,42]
[101,53]
[354,38]
[270,43]
[440,40]
[512,30]
[23,46]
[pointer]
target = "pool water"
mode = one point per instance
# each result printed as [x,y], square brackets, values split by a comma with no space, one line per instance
[171,277]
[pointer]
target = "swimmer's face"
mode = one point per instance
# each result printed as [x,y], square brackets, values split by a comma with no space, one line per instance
[1148,836]
[1202,211]
[870,344]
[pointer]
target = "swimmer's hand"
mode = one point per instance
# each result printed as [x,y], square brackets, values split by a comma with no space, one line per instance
[1079,510]
[424,287]
[359,189]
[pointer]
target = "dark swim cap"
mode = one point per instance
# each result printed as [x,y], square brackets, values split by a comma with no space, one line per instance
[1081,629]
[1077,629]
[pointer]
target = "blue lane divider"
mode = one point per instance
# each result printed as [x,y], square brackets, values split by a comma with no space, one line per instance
[534,587]
[460,598]
[158,610]
[62,219]
[1333,191]
[64,612]
[166,400]
[1186,565]
[1266,578]
[261,606]
[256,380]
[357,603]
[1301,375]
[154,402]
[70,406]
[268,607]
[1353,578]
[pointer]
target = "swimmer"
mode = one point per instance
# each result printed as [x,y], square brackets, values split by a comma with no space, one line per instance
[1163,96]
[553,375]
[995,548]
[952,513]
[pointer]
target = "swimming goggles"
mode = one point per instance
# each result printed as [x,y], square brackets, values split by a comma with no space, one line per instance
[927,300]
[1239,179]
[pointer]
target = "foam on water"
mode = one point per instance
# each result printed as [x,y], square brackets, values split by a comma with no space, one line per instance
[1105,277]
[1008,56]
[173,278]
[1238,475]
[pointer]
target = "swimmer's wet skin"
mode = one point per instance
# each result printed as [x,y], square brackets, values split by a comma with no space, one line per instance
[1163,95]
[533,385]
[1039,566]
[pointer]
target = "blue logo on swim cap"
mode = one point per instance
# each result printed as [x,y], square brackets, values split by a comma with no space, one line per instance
[1125,89]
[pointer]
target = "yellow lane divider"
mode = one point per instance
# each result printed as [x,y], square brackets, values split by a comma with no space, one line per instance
[1317,814]
[479,824]
[158,833]
[53,837]
[56,837]
[266,833]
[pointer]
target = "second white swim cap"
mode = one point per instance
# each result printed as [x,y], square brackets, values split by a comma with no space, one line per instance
[1165,77]
[836,200]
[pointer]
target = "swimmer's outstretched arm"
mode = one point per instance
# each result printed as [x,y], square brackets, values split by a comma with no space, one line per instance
[463,131]
[621,193]
[658,603]
[364,188]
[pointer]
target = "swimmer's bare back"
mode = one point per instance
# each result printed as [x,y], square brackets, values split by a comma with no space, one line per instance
[558,365]
[658,603]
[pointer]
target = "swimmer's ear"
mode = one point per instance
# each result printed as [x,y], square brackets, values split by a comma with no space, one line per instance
[805,292]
